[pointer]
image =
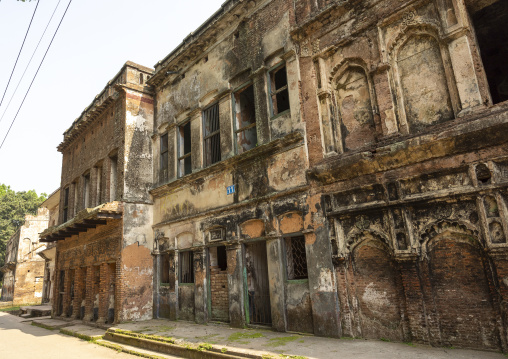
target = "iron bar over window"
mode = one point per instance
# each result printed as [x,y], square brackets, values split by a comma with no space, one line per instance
[211,135]
[186,267]
[296,258]
[184,150]
[163,173]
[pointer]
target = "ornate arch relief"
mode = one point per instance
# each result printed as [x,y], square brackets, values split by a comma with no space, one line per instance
[252,228]
[469,233]
[423,87]
[412,28]
[355,102]
[358,237]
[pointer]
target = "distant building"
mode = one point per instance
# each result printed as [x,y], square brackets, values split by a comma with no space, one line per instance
[24,269]
[49,254]
[104,237]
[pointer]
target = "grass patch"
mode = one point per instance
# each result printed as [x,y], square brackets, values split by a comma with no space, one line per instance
[384,340]
[277,342]
[204,346]
[10,309]
[241,336]
[209,336]
[43,326]
[286,356]
[410,344]
[145,336]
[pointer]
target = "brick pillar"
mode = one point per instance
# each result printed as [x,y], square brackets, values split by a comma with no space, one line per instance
[67,294]
[103,293]
[200,292]
[414,297]
[79,287]
[236,299]
[89,294]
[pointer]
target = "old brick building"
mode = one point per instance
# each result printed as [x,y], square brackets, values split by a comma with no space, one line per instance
[104,237]
[396,111]
[331,167]
[407,135]
[25,280]
[231,210]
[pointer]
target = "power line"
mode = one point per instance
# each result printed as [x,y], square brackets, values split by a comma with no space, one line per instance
[19,53]
[31,83]
[29,62]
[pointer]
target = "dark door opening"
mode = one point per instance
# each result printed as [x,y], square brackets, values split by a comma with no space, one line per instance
[492,35]
[258,288]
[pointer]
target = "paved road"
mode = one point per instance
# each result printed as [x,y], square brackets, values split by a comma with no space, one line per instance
[23,341]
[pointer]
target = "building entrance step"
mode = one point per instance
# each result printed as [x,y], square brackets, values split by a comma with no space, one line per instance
[169,346]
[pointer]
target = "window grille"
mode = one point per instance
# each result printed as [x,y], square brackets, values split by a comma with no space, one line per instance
[163,173]
[296,258]
[279,94]
[186,267]
[245,119]
[184,150]
[211,135]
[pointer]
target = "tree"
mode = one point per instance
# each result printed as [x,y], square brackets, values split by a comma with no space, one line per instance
[13,207]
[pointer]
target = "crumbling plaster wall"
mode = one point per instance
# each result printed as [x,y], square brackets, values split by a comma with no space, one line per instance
[400,52]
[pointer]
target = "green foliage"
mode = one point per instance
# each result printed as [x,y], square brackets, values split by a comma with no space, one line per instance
[13,207]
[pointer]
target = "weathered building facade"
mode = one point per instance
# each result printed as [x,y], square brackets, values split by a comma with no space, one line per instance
[407,134]
[330,167]
[104,238]
[231,211]
[396,230]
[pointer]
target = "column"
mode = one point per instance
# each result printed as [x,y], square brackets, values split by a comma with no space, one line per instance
[79,287]
[200,285]
[104,283]
[89,294]
[235,285]
[67,294]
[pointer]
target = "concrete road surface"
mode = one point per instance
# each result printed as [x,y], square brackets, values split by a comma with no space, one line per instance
[23,341]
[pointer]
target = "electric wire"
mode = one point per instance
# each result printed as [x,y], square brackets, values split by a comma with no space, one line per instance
[19,53]
[29,62]
[31,83]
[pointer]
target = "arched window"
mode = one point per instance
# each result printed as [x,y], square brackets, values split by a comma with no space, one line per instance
[424,88]
[355,108]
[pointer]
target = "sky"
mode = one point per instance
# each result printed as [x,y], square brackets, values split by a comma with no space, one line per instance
[95,39]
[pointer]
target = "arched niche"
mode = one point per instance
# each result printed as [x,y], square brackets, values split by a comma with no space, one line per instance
[423,85]
[291,222]
[378,288]
[253,228]
[352,93]
[458,295]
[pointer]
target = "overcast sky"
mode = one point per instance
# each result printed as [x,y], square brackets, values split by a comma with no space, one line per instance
[95,39]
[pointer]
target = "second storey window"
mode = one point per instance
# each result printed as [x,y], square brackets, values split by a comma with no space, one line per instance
[245,119]
[163,174]
[279,95]
[66,205]
[211,135]
[184,150]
